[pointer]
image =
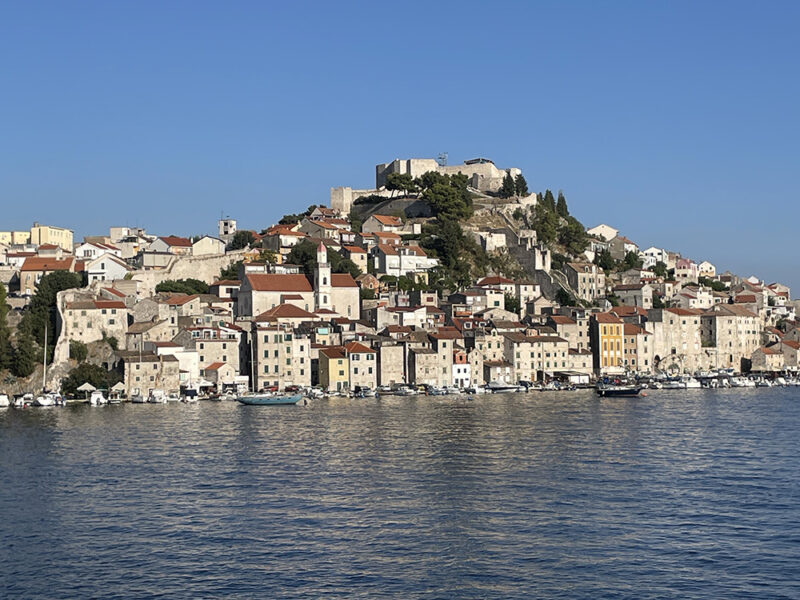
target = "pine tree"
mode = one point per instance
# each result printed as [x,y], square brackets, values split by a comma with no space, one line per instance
[521,185]
[548,202]
[509,188]
[561,206]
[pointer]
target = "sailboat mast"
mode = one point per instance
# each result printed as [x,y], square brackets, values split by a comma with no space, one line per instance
[44,360]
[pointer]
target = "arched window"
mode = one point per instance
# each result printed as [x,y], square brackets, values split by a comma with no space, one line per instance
[324,281]
[324,299]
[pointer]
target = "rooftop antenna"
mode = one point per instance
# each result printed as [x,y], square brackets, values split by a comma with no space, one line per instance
[442,159]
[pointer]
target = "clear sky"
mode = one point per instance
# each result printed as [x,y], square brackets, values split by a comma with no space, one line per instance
[676,122]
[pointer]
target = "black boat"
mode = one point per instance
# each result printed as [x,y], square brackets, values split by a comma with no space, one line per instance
[611,389]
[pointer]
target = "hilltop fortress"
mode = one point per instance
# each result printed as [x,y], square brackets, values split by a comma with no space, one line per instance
[483,174]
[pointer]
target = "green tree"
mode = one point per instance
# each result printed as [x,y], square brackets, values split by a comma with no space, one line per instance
[402,182]
[546,223]
[447,202]
[604,260]
[660,269]
[657,301]
[88,373]
[573,236]
[183,286]
[512,303]
[241,239]
[561,206]
[25,356]
[548,202]
[230,272]
[564,298]
[367,294]
[5,336]
[520,185]
[631,261]
[509,188]
[431,178]
[78,351]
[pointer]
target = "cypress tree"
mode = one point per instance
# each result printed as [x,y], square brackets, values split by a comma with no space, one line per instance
[521,185]
[5,341]
[25,356]
[561,206]
[509,188]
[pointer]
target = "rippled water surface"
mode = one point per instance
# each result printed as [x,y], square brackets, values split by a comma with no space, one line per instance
[678,495]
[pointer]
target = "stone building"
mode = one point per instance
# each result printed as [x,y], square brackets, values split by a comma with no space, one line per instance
[93,320]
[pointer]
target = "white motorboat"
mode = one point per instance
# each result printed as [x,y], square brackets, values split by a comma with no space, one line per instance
[4,402]
[692,383]
[44,400]
[97,398]
[475,389]
[405,391]
[173,398]
[451,390]
[673,384]
[499,386]
[138,399]
[157,397]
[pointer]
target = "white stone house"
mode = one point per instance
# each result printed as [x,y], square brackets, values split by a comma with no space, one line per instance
[106,267]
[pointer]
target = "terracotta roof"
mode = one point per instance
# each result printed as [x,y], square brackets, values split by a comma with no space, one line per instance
[166,345]
[791,344]
[174,240]
[606,318]
[388,249]
[630,329]
[628,287]
[341,280]
[684,312]
[745,299]
[39,263]
[115,292]
[179,299]
[446,333]
[333,352]
[274,282]
[494,281]
[215,366]
[355,249]
[562,320]
[357,348]
[227,282]
[95,304]
[284,311]
[388,220]
[628,311]
[48,247]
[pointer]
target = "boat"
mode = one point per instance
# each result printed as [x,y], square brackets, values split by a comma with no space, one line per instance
[264,400]
[614,389]
[157,397]
[173,398]
[44,400]
[475,389]
[498,386]
[4,402]
[138,399]
[23,401]
[405,391]
[692,383]
[97,398]
[451,390]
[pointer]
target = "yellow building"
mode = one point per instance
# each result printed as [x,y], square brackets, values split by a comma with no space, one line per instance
[15,237]
[334,368]
[608,344]
[45,234]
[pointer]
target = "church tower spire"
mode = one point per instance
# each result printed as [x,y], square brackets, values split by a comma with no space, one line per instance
[322,279]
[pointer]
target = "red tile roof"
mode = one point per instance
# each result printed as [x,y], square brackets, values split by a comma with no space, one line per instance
[357,348]
[174,240]
[40,263]
[275,282]
[341,280]
[179,299]
[215,366]
[388,220]
[606,318]
[284,311]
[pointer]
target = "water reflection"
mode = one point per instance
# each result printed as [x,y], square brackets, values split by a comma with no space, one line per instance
[546,494]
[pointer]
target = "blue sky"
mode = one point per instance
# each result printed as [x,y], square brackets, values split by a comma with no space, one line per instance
[675,122]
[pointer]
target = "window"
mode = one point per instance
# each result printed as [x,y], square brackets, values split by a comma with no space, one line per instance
[355,371]
[202,346]
[341,373]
